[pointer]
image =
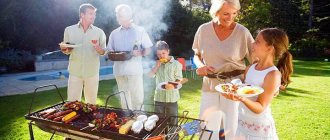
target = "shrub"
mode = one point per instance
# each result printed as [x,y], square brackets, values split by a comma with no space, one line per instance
[310,47]
[16,60]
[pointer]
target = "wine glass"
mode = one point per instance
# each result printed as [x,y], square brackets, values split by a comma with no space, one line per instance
[94,41]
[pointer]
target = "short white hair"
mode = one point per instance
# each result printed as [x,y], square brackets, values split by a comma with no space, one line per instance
[124,11]
[217,5]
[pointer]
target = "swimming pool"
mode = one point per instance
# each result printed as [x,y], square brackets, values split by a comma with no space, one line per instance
[57,75]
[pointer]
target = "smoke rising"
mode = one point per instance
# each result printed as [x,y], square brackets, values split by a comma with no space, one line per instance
[150,15]
[146,13]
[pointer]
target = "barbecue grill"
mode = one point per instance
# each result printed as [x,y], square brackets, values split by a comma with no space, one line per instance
[78,130]
[176,131]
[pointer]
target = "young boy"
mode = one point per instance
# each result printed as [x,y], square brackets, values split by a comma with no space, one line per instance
[167,69]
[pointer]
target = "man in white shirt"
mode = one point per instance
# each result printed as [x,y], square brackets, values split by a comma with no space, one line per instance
[84,61]
[129,73]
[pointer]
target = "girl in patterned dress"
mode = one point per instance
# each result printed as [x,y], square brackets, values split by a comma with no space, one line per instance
[255,121]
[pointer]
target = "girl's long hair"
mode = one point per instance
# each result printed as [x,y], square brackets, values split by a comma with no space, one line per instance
[280,41]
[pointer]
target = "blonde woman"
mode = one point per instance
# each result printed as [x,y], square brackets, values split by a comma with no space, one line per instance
[220,47]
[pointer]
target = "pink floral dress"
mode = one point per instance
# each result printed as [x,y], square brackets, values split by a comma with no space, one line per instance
[252,126]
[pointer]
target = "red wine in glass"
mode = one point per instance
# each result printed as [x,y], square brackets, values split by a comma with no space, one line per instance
[94,42]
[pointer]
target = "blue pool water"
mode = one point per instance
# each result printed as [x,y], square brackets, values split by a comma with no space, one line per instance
[56,75]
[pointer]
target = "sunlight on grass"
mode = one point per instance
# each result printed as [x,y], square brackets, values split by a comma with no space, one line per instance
[300,112]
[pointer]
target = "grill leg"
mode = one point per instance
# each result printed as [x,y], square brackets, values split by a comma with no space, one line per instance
[31,131]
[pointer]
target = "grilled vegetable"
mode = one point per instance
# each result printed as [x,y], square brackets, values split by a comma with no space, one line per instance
[149,125]
[163,60]
[126,127]
[69,116]
[141,118]
[71,119]
[137,127]
[153,118]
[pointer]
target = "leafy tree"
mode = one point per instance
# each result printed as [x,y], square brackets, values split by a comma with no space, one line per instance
[183,25]
[255,14]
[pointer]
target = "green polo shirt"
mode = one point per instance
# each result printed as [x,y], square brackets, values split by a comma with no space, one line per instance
[169,71]
[84,61]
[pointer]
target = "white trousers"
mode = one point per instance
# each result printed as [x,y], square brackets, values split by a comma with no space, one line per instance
[213,101]
[133,88]
[90,85]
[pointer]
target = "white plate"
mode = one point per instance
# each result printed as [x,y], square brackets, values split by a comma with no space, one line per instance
[69,45]
[219,88]
[241,91]
[159,86]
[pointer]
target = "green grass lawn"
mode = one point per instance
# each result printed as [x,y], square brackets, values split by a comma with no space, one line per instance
[301,112]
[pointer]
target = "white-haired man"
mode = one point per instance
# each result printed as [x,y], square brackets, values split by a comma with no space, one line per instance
[129,73]
[84,62]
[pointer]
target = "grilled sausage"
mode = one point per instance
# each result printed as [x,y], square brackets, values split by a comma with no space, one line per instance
[50,113]
[58,119]
[51,117]
[63,113]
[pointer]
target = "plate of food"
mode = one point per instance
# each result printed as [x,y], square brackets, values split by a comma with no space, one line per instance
[169,86]
[226,88]
[249,91]
[69,45]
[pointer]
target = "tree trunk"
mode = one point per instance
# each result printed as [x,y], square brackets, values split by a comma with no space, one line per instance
[190,5]
[311,12]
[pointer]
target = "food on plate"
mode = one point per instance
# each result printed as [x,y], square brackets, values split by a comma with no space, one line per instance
[153,118]
[226,88]
[126,127]
[149,125]
[229,88]
[163,60]
[170,85]
[137,127]
[141,118]
[234,88]
[174,83]
[250,90]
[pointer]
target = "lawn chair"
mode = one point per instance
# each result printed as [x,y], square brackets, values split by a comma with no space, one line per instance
[184,66]
[192,68]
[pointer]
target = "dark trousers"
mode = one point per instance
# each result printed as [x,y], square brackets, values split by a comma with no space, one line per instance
[169,109]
